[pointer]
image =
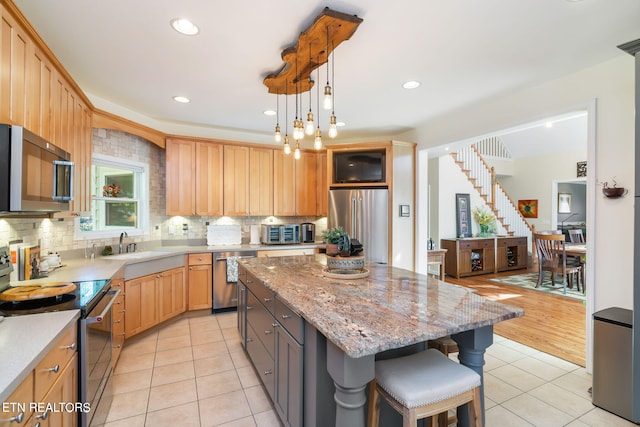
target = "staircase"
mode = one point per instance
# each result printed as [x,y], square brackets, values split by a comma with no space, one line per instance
[484,180]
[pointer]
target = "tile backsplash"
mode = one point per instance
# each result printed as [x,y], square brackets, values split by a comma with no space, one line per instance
[58,234]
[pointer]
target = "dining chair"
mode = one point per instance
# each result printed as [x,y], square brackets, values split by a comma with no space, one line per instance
[576,236]
[552,257]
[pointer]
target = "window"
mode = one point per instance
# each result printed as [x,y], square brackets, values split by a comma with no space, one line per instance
[119,198]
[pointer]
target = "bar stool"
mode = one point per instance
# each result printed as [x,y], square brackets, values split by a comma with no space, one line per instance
[423,385]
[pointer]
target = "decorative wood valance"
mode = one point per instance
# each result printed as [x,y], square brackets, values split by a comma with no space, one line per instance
[311,51]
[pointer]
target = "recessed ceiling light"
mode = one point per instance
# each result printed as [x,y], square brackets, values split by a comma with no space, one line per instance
[548,124]
[340,124]
[184,26]
[269,113]
[181,99]
[411,84]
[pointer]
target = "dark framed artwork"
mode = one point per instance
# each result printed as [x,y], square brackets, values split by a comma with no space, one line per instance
[581,169]
[463,215]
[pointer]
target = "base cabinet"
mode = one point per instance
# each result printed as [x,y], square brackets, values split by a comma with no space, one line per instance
[511,253]
[200,281]
[153,299]
[469,257]
[273,337]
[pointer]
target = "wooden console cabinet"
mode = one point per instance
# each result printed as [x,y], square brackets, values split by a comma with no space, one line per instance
[469,257]
[511,253]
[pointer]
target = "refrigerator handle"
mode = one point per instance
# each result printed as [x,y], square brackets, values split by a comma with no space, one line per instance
[360,219]
[353,216]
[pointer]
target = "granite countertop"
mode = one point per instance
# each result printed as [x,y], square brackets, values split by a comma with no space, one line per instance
[389,309]
[20,352]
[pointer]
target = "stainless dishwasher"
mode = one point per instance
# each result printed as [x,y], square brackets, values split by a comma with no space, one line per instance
[224,290]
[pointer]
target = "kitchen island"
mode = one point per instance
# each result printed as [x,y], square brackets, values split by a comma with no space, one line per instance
[348,323]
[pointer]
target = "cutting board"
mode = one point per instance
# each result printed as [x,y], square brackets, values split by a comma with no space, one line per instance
[44,290]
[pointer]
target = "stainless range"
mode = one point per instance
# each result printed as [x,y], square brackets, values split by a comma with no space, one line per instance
[94,299]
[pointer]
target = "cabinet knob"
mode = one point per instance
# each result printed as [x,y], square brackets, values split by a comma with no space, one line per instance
[286,316]
[249,340]
[190,268]
[55,369]
[268,372]
[116,321]
[18,418]
[118,346]
[71,346]
[268,332]
[268,299]
[43,416]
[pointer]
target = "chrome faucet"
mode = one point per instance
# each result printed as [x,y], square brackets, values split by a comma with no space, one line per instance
[122,236]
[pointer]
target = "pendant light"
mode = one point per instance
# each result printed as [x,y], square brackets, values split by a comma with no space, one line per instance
[287,147]
[309,127]
[317,142]
[296,152]
[298,126]
[277,136]
[328,102]
[333,127]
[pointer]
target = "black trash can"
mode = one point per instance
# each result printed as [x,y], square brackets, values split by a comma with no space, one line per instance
[612,353]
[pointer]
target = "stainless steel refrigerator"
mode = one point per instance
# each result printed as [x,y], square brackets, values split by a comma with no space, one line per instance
[364,215]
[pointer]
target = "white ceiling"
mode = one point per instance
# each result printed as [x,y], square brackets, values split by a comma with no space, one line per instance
[463,51]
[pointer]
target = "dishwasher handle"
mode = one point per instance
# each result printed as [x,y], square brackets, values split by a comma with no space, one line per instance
[238,257]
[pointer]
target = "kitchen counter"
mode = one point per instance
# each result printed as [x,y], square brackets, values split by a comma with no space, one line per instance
[21,351]
[361,318]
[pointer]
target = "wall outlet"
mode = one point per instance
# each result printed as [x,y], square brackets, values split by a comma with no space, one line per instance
[171,230]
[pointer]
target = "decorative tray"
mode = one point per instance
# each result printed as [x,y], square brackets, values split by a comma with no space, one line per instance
[345,273]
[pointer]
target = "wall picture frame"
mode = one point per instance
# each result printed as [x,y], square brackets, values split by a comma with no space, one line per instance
[581,169]
[463,215]
[564,202]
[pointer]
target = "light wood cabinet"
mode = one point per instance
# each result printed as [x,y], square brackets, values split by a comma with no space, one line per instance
[306,184]
[200,281]
[37,93]
[261,181]
[468,257]
[172,293]
[52,381]
[236,180]
[295,184]
[322,196]
[141,304]
[193,178]
[153,299]
[208,183]
[511,253]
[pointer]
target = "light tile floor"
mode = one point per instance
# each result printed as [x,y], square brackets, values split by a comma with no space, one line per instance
[193,372]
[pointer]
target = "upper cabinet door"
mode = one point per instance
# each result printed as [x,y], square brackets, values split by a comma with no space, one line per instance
[208,196]
[261,181]
[306,184]
[236,180]
[284,188]
[179,177]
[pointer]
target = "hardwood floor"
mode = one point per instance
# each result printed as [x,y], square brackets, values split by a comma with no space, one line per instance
[553,324]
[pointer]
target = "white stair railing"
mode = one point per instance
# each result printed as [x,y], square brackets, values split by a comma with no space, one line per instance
[485,182]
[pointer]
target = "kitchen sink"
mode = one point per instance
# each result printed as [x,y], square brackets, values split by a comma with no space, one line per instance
[139,255]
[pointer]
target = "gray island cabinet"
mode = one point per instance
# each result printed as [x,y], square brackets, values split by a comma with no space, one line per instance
[314,340]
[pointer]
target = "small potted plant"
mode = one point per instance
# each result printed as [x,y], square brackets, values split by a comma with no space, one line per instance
[331,236]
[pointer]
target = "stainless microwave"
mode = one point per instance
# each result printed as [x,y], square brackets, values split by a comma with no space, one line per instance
[35,175]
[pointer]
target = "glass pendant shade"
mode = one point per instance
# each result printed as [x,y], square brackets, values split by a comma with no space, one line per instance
[317,142]
[277,136]
[296,153]
[309,127]
[327,101]
[287,147]
[333,128]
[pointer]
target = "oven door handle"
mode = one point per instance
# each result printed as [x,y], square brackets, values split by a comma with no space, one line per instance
[101,316]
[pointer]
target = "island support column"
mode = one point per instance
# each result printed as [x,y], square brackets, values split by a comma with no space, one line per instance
[350,377]
[472,345]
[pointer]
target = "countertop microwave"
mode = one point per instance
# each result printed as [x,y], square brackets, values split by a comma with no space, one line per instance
[35,175]
[359,166]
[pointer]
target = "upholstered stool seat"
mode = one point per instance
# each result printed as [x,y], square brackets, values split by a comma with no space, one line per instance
[422,385]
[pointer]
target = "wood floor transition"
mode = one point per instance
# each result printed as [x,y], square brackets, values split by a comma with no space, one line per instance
[553,324]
